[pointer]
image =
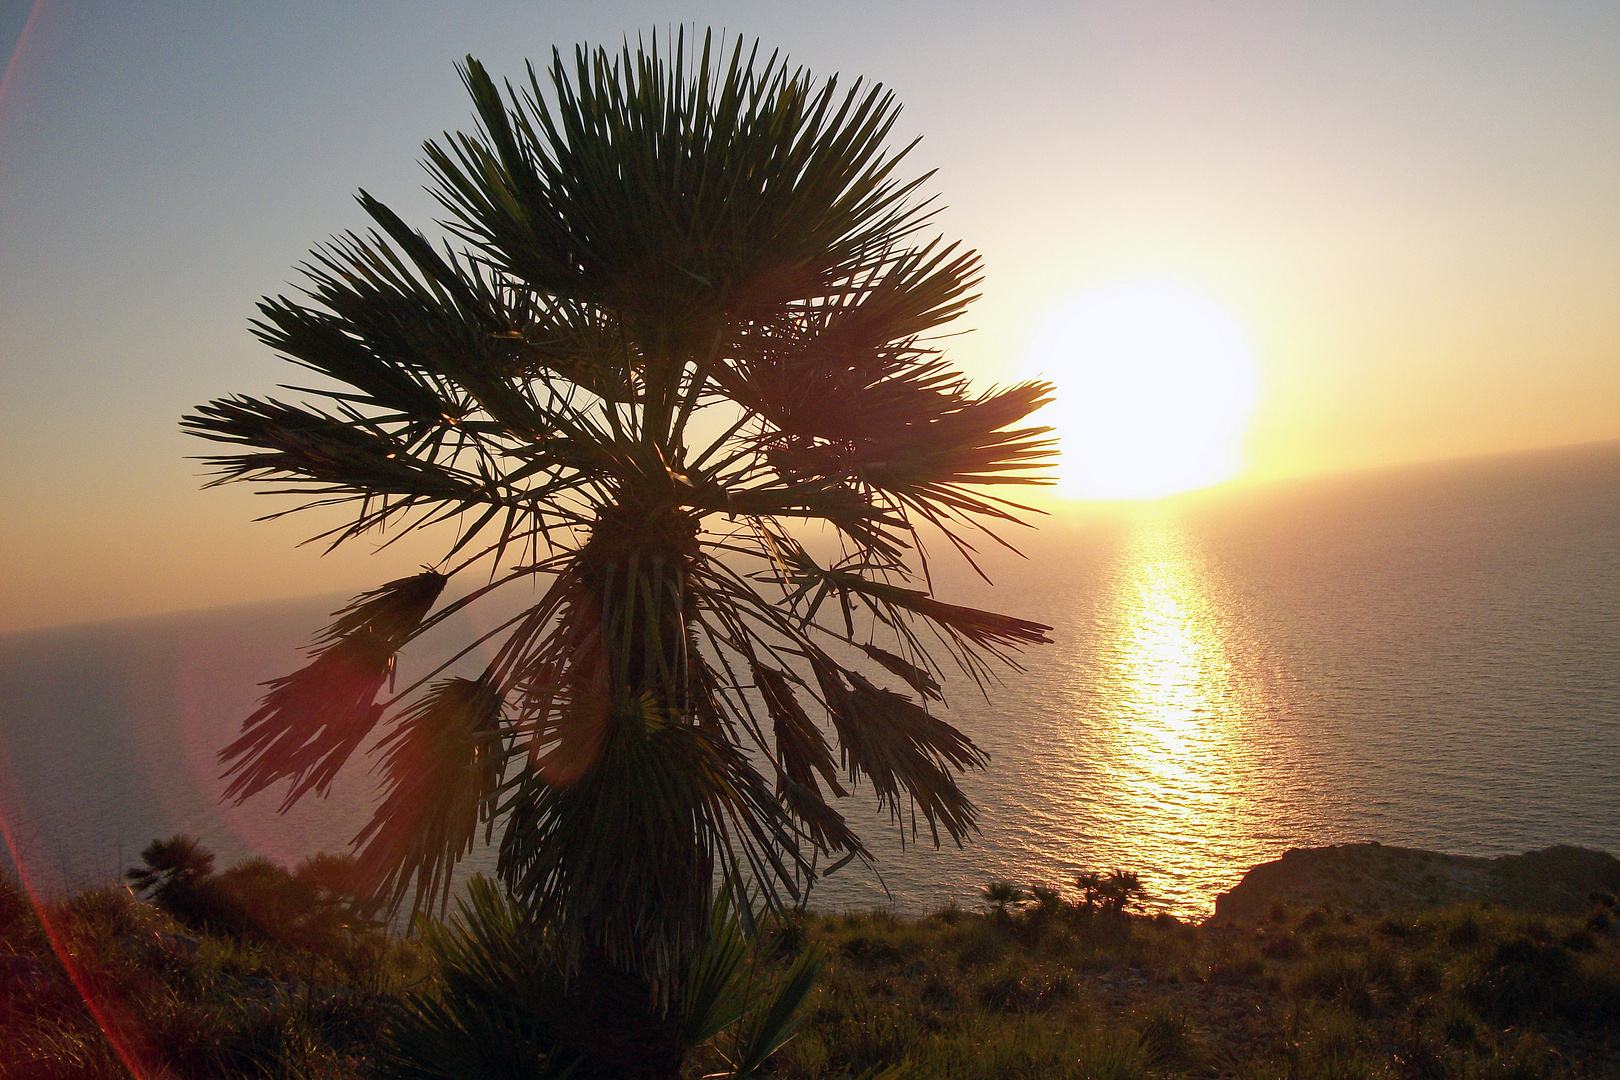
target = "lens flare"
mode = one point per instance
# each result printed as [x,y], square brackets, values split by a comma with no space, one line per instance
[108,1012]
[16,53]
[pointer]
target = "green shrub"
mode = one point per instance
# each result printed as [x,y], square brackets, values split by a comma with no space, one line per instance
[1521,977]
[871,952]
[1314,919]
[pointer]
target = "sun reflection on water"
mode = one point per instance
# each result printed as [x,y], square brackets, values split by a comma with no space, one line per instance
[1179,702]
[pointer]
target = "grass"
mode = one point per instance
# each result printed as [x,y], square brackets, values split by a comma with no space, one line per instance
[1040,990]
[1461,992]
[183,1003]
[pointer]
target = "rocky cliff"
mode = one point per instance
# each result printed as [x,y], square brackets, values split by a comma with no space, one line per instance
[1369,877]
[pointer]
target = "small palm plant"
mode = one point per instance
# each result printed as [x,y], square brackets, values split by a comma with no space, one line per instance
[678,374]
[1112,892]
[505,1006]
[1004,898]
[1046,902]
[172,873]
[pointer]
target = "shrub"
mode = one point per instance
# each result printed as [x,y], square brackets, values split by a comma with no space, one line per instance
[1011,991]
[1521,977]
[1465,932]
[980,947]
[1167,1040]
[1003,897]
[319,907]
[16,912]
[1336,978]
[871,952]
[174,871]
[1113,892]
[1281,947]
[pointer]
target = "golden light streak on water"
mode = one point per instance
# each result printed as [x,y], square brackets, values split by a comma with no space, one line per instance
[1176,710]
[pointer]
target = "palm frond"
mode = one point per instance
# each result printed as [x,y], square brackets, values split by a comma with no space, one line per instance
[713,997]
[778,1017]
[973,632]
[311,721]
[308,447]
[802,754]
[892,741]
[496,1014]
[919,679]
[442,765]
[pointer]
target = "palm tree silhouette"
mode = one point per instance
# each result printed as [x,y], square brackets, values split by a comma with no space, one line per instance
[686,334]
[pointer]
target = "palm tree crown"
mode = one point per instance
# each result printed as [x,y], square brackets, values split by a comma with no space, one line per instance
[686,324]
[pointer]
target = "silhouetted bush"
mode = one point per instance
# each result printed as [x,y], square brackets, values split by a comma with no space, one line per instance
[176,876]
[1522,977]
[318,907]
[1114,892]
[1465,932]
[16,911]
[1004,898]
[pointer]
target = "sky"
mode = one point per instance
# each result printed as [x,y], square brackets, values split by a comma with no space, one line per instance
[1411,211]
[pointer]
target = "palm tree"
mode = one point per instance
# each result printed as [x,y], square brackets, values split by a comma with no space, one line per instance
[173,873]
[679,372]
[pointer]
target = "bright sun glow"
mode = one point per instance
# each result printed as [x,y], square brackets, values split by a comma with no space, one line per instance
[1154,390]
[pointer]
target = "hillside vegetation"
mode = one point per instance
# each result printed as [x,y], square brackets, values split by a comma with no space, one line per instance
[1033,985]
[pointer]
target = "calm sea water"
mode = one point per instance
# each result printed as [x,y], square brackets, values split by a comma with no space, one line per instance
[1426,657]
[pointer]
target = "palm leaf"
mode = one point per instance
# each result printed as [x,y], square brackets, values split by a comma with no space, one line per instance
[442,764]
[311,721]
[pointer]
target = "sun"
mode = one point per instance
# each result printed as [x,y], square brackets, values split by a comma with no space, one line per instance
[1155,386]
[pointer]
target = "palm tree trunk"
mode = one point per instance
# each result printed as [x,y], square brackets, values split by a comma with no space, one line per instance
[612,1020]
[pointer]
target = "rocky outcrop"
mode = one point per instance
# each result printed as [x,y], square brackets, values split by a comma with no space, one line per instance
[1372,877]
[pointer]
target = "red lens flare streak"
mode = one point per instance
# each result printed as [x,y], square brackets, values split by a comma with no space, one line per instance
[109,1016]
[16,54]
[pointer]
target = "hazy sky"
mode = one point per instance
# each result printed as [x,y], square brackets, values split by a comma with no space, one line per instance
[1412,210]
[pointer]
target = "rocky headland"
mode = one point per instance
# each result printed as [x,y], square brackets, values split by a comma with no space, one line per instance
[1373,877]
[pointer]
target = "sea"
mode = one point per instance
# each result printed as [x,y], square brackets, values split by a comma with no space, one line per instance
[1424,656]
